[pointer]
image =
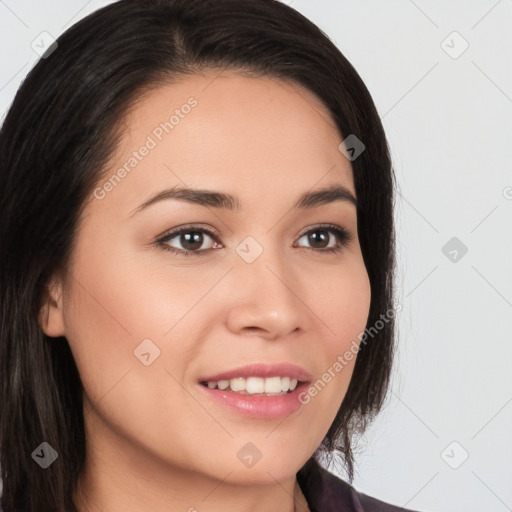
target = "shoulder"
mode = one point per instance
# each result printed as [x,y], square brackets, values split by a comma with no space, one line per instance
[325,492]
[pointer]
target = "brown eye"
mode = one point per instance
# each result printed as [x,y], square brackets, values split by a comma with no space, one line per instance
[319,239]
[189,241]
[327,238]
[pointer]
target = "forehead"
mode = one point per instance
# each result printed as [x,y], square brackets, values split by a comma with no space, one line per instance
[229,132]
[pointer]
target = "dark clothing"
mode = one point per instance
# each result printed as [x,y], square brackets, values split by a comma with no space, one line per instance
[325,492]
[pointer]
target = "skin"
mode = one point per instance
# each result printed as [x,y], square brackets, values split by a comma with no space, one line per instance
[154,441]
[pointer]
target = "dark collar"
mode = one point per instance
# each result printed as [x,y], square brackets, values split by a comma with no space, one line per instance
[325,492]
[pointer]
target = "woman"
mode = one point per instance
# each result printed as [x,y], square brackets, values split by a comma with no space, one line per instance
[197,252]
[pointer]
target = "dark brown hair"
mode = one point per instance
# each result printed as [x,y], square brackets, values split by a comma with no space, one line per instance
[57,137]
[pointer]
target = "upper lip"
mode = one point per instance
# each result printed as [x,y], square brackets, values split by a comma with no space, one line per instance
[262,370]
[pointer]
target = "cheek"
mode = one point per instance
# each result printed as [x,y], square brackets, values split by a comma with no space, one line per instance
[110,307]
[108,314]
[343,304]
[116,301]
[122,298]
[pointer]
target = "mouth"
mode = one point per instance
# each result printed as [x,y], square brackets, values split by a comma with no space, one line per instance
[258,391]
[255,386]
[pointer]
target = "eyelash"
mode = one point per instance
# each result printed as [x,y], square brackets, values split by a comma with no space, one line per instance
[342,235]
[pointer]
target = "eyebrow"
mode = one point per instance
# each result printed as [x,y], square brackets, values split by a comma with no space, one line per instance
[214,199]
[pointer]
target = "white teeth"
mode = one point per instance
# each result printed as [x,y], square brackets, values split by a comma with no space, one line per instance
[273,385]
[237,384]
[256,385]
[222,384]
[285,383]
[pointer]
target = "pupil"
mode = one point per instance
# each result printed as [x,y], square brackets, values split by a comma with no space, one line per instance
[314,239]
[193,240]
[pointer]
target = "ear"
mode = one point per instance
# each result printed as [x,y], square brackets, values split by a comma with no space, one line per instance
[51,313]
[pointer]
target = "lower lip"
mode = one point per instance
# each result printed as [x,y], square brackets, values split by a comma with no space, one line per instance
[262,407]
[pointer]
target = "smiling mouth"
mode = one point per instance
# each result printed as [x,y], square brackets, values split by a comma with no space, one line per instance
[257,386]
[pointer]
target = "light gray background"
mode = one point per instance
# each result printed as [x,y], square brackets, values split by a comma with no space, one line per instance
[448,118]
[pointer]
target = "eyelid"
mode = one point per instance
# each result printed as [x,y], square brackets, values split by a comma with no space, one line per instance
[190,227]
[327,226]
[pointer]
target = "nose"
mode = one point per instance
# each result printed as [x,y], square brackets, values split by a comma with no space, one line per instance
[266,298]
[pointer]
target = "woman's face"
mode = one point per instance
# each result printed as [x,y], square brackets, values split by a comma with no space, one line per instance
[258,285]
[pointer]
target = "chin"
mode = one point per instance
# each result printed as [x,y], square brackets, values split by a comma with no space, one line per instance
[267,470]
